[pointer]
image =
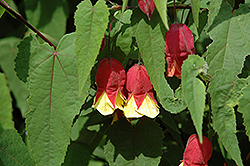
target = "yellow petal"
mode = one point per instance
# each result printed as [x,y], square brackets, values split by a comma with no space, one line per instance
[130,109]
[120,101]
[148,107]
[181,164]
[104,105]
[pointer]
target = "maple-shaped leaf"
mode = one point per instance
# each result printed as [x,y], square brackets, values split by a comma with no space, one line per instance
[147,6]
[53,84]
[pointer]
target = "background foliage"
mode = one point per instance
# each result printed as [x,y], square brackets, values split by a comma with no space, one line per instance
[46,94]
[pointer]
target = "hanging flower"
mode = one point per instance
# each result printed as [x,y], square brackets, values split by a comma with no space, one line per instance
[179,43]
[110,80]
[147,6]
[197,154]
[140,94]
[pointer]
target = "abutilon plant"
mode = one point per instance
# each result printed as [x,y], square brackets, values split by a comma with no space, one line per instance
[110,80]
[140,94]
[179,43]
[197,154]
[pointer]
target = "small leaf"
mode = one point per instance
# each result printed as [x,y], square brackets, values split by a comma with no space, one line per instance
[5,106]
[91,23]
[124,38]
[172,102]
[195,4]
[194,90]
[147,6]
[138,146]
[13,151]
[161,6]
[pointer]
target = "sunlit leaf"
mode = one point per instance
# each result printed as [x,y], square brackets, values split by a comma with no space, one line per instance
[195,4]
[124,38]
[13,151]
[54,102]
[138,145]
[225,58]
[194,90]
[161,6]
[225,52]
[150,39]
[91,23]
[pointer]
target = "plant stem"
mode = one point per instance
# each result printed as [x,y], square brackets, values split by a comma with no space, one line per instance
[20,18]
[175,20]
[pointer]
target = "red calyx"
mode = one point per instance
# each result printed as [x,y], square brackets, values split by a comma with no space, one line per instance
[179,43]
[138,84]
[147,6]
[197,154]
[110,77]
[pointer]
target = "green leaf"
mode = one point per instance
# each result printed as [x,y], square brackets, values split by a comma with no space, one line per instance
[91,23]
[8,53]
[2,10]
[225,96]
[54,102]
[124,5]
[172,102]
[202,23]
[13,151]
[194,90]
[124,38]
[138,145]
[150,39]
[228,50]
[225,57]
[195,4]
[50,17]
[5,106]
[161,6]
[77,155]
[244,107]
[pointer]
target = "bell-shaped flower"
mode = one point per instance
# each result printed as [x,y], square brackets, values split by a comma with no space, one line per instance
[147,6]
[140,94]
[179,43]
[110,80]
[197,154]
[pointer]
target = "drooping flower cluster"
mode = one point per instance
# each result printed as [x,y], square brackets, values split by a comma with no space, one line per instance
[110,80]
[197,154]
[179,43]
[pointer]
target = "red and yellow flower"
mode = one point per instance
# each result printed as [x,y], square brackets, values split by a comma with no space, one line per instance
[110,80]
[140,94]
[179,43]
[197,154]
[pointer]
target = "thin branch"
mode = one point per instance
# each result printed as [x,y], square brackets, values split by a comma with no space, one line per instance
[20,18]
